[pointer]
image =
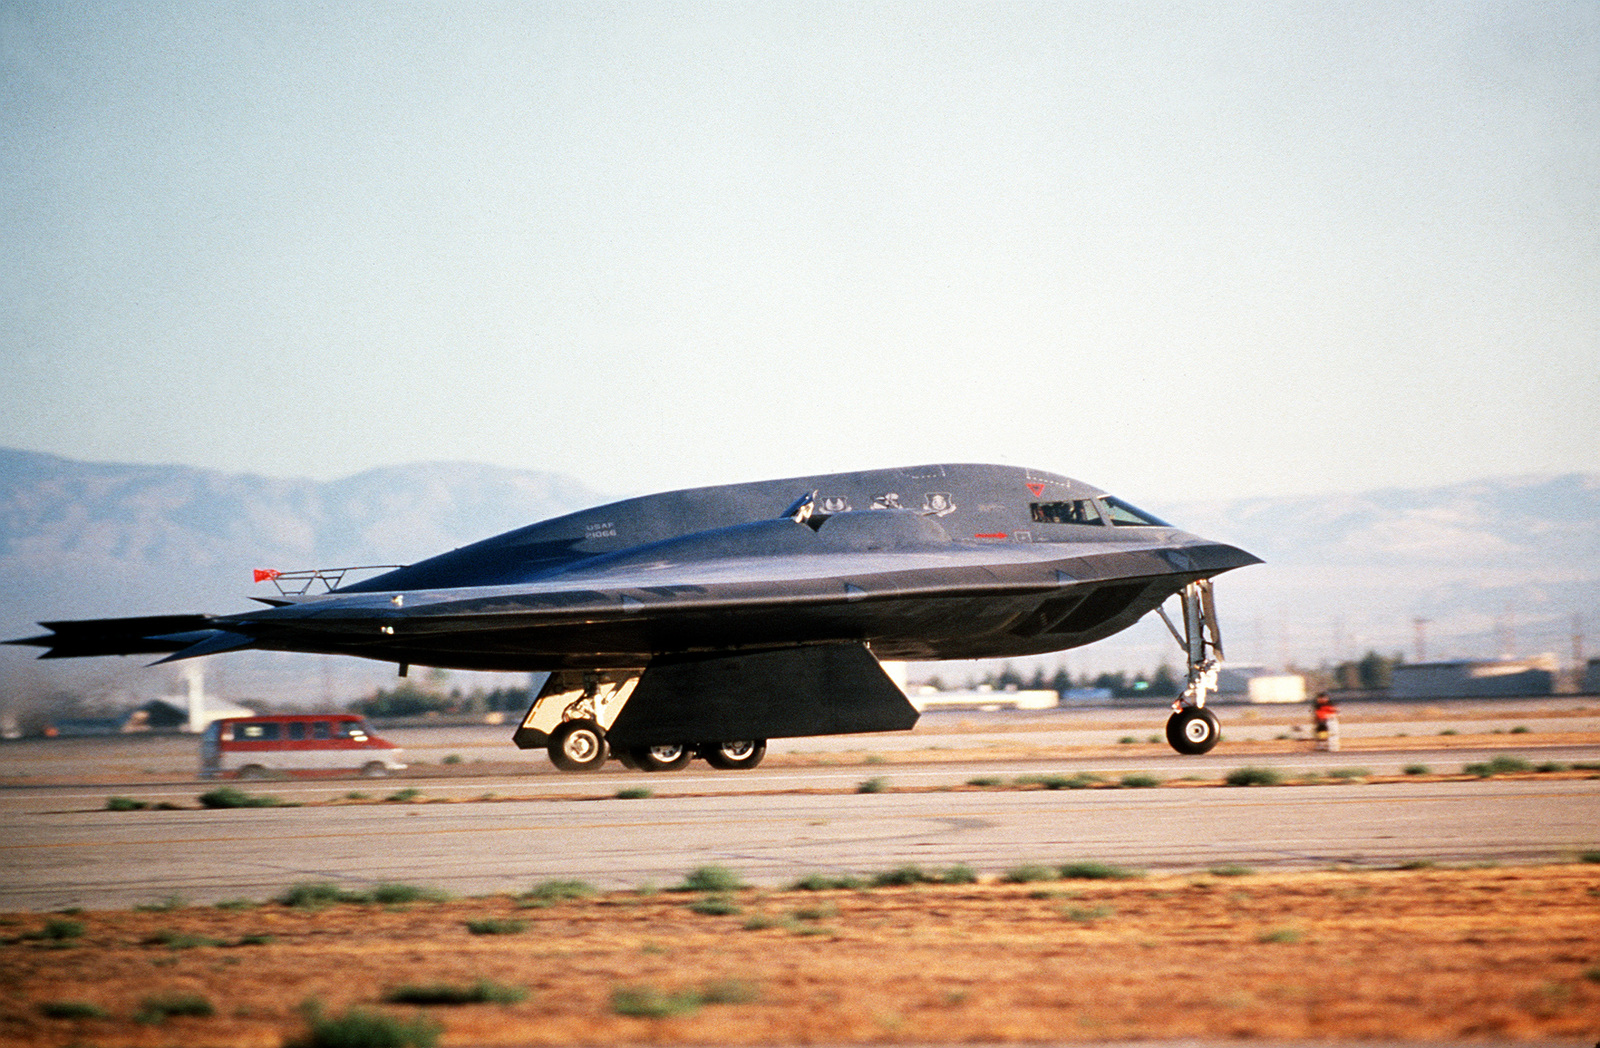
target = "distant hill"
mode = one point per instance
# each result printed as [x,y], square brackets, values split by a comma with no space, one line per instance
[1507,561]
[90,540]
[1516,557]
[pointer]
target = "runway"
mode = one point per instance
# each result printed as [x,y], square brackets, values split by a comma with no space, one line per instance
[487,818]
[61,852]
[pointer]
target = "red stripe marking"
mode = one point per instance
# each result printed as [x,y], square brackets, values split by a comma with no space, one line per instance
[996,535]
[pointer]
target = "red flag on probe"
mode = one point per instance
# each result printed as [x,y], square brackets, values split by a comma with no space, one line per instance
[263,574]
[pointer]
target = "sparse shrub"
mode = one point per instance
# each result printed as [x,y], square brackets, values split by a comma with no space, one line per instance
[634,793]
[451,758]
[71,1010]
[1501,765]
[167,905]
[822,882]
[1349,773]
[960,873]
[901,876]
[1139,780]
[236,904]
[481,992]
[1418,769]
[1097,871]
[410,793]
[58,929]
[1551,766]
[363,1028]
[496,926]
[256,940]
[1127,740]
[815,913]
[1231,869]
[871,786]
[1087,914]
[398,894]
[1280,935]
[547,893]
[728,991]
[1249,776]
[160,1008]
[646,1002]
[357,795]
[710,879]
[179,940]
[1591,856]
[1028,874]
[715,906]
[233,797]
[985,780]
[1081,781]
[314,895]
[1521,729]
[125,804]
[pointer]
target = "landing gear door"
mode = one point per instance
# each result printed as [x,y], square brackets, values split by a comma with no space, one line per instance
[593,695]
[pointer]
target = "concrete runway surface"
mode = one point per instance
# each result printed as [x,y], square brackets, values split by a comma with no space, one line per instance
[517,822]
[61,848]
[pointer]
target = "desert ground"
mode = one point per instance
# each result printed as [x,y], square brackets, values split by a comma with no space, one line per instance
[1421,954]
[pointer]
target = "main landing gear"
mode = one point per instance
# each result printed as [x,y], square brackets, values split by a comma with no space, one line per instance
[1192,728]
[580,745]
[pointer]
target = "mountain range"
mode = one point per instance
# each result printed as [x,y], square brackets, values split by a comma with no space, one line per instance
[1509,563]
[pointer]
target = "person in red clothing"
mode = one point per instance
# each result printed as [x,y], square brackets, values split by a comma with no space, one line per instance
[1326,715]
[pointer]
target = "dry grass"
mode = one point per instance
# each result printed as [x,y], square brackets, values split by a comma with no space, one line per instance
[1428,954]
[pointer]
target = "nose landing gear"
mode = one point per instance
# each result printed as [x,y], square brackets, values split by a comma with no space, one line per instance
[1193,729]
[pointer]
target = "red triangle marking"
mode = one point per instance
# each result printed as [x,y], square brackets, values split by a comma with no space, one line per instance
[1037,489]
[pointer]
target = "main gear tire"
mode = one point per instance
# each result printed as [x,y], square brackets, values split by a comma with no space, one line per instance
[664,757]
[740,755]
[1193,730]
[578,745]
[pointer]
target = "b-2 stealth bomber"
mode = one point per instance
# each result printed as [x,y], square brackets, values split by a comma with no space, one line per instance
[704,622]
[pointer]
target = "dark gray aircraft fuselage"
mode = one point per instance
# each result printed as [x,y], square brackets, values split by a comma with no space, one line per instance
[930,562]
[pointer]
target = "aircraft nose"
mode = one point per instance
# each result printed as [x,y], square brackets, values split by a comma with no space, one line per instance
[1216,557]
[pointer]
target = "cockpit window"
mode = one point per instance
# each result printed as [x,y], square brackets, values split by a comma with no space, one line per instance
[1079,511]
[1125,516]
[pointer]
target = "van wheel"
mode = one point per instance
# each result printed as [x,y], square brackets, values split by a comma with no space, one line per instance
[252,771]
[374,770]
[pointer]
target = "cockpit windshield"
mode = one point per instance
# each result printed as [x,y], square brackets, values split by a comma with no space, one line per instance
[1124,515]
[1078,511]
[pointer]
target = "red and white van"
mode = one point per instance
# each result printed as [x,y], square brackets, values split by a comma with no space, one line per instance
[302,745]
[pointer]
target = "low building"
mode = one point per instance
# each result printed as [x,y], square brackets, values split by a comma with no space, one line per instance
[1250,683]
[1467,679]
[1591,678]
[925,699]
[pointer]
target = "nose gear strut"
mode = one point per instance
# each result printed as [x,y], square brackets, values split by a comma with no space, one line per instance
[1192,728]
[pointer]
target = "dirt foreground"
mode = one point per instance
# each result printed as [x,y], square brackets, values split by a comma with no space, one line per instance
[1404,955]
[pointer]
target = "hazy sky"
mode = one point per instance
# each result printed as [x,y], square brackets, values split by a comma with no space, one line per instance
[1173,249]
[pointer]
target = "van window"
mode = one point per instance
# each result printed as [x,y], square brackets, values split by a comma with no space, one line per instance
[319,729]
[297,730]
[256,732]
